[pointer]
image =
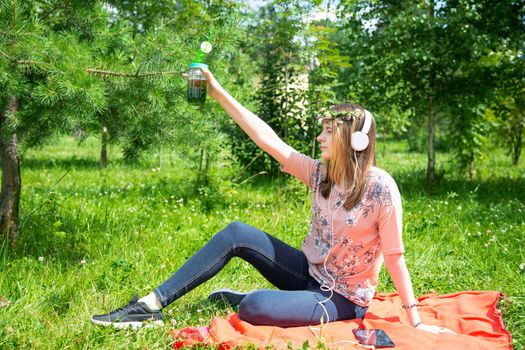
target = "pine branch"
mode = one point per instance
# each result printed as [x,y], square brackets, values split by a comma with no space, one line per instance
[23,62]
[96,71]
[130,75]
[31,63]
[53,10]
[7,56]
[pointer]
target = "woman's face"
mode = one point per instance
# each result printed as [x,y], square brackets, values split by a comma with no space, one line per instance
[325,140]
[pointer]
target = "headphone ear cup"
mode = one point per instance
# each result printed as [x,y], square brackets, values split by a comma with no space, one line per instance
[359,141]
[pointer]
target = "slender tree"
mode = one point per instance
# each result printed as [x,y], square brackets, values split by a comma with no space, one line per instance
[281,96]
[429,58]
[72,67]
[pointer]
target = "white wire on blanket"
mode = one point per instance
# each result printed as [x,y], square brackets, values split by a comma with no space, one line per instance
[323,341]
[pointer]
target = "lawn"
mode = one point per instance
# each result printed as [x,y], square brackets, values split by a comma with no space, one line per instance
[92,238]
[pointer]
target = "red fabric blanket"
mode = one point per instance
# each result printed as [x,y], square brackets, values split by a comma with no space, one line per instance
[472,315]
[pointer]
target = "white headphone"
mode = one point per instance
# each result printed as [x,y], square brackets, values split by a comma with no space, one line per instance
[360,138]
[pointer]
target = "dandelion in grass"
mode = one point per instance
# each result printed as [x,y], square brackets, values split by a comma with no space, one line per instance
[4,302]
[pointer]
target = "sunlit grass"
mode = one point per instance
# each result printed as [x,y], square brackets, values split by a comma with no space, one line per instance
[91,238]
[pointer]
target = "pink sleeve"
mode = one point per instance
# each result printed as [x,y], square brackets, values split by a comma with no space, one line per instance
[390,220]
[302,167]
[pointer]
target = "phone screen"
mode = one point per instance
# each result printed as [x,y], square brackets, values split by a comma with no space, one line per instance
[376,337]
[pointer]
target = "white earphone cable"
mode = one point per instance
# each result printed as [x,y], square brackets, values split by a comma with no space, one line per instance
[325,287]
[355,166]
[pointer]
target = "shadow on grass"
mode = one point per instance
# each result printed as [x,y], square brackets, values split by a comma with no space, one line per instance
[496,190]
[204,309]
[55,225]
[76,162]
[59,238]
[66,163]
[413,183]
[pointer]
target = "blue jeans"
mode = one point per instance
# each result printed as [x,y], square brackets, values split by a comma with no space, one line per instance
[297,301]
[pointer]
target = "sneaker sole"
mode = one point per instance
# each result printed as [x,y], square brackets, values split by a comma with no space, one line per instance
[227,295]
[126,325]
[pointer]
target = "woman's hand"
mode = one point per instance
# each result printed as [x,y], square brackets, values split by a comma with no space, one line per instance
[434,329]
[214,88]
[256,128]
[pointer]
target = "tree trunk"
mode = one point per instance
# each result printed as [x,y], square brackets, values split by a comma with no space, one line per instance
[471,164]
[104,149]
[11,180]
[199,170]
[431,168]
[385,125]
[517,147]
[207,167]
[160,156]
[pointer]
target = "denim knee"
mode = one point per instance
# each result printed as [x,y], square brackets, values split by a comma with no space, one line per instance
[252,308]
[228,232]
[236,226]
[238,232]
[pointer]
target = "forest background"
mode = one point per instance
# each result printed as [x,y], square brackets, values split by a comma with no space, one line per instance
[115,163]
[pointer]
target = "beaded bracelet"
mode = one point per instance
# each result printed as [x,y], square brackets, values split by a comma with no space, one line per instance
[408,306]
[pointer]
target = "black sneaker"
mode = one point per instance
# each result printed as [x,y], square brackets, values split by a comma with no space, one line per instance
[229,296]
[134,315]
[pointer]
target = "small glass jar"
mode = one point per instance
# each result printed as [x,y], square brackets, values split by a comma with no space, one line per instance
[197,84]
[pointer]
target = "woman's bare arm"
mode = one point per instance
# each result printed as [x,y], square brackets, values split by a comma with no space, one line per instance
[398,270]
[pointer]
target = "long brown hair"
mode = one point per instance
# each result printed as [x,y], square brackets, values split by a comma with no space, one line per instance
[341,168]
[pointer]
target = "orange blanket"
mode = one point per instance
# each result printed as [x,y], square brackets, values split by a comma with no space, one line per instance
[472,315]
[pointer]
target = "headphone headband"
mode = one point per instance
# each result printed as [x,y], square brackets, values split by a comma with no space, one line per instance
[368,122]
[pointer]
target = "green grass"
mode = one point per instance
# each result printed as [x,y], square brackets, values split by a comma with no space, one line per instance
[104,235]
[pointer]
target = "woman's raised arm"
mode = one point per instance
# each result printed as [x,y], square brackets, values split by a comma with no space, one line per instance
[260,132]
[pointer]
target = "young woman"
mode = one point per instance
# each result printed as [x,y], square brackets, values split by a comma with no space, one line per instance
[356,225]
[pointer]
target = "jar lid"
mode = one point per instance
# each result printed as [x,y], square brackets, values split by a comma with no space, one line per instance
[198,65]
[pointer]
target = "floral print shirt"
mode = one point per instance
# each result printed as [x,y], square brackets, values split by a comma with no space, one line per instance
[345,248]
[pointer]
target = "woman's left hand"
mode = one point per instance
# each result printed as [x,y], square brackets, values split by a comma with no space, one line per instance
[434,329]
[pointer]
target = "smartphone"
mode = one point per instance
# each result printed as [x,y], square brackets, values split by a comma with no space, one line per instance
[375,337]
